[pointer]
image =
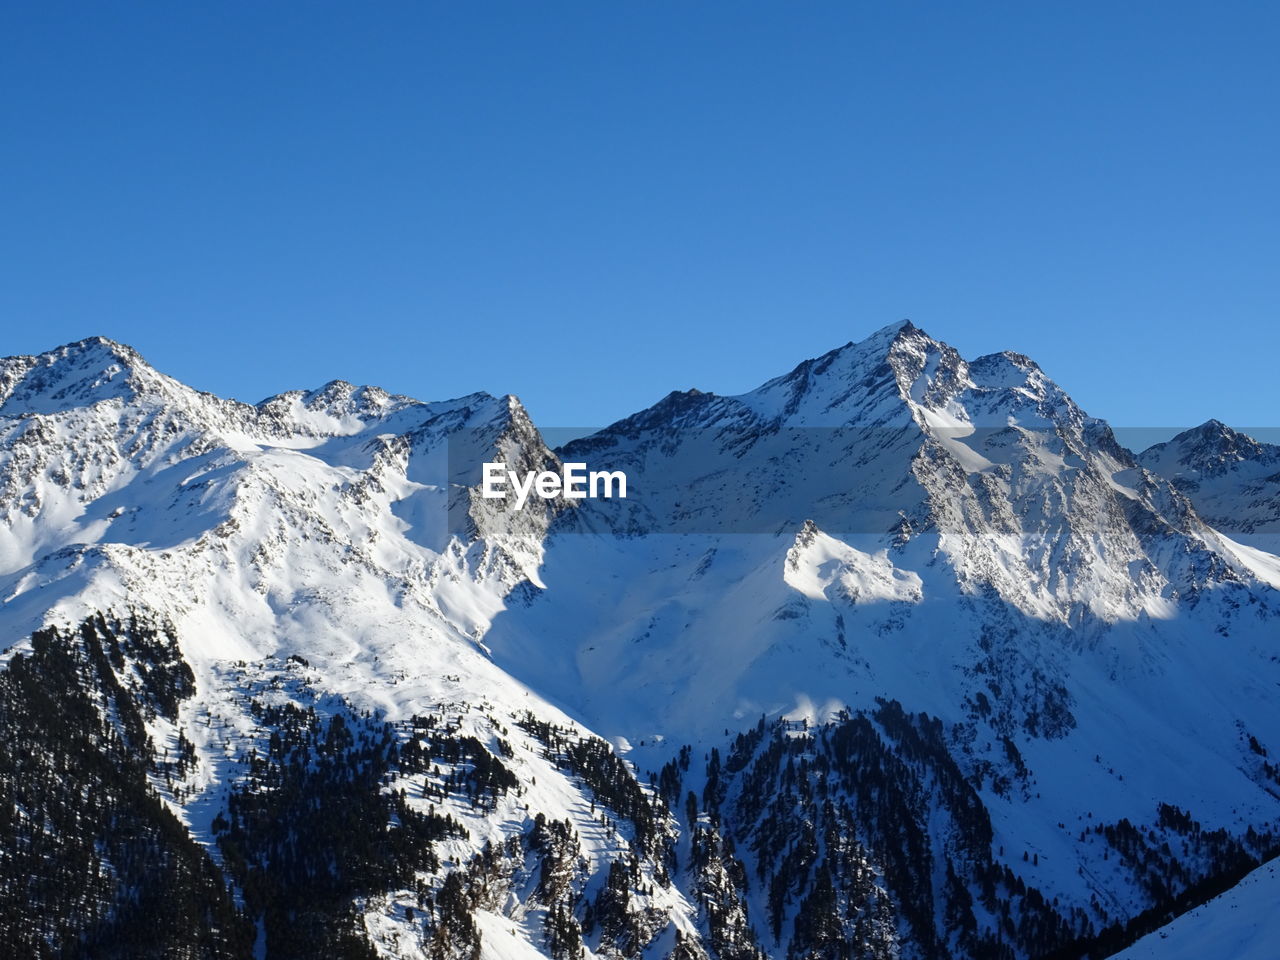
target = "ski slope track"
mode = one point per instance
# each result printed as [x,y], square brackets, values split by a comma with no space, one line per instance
[898,655]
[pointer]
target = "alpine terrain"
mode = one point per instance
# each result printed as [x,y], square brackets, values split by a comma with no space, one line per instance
[900,655]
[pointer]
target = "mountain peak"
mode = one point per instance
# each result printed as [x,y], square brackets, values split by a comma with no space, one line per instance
[93,353]
[884,342]
[1212,446]
[893,330]
[1211,428]
[834,387]
[1217,439]
[79,373]
[1230,477]
[99,343]
[340,396]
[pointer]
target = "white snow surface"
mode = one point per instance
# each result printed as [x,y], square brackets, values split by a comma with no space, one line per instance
[1241,924]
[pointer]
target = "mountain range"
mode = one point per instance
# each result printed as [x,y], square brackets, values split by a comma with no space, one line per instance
[898,655]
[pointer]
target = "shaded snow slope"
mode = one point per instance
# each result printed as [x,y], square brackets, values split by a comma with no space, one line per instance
[1241,924]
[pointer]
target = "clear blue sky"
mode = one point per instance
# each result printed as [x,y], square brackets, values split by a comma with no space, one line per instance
[591,204]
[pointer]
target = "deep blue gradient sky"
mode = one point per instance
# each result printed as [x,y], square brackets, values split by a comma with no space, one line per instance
[591,204]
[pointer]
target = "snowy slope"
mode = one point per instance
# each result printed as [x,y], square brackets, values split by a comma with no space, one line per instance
[1238,925]
[1015,516]
[986,553]
[111,473]
[319,525]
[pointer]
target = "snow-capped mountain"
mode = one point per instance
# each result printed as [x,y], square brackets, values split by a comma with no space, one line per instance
[121,485]
[1233,480]
[1020,489]
[897,655]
